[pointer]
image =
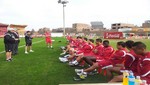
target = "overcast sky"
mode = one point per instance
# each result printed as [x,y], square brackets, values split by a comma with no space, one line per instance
[48,13]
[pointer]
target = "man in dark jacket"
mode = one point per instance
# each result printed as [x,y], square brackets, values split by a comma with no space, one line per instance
[28,40]
[15,45]
[9,40]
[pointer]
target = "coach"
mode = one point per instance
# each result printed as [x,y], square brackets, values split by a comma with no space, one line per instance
[9,40]
[15,45]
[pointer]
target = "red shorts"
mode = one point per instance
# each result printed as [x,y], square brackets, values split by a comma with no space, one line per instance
[48,40]
[94,55]
[104,64]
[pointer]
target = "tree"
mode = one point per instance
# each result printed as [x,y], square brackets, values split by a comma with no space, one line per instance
[33,31]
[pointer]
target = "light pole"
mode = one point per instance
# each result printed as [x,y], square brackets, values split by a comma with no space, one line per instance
[63,2]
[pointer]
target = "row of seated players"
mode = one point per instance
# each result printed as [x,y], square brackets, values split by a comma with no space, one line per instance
[104,57]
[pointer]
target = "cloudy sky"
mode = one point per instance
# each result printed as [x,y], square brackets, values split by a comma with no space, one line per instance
[48,13]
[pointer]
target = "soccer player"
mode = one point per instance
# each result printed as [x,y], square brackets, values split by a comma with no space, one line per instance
[106,55]
[9,40]
[143,66]
[74,43]
[28,40]
[80,46]
[95,53]
[84,51]
[91,55]
[130,63]
[48,39]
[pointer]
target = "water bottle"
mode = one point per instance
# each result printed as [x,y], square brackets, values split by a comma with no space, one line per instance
[138,81]
[131,78]
[125,77]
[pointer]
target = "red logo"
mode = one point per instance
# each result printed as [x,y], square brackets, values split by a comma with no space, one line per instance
[113,35]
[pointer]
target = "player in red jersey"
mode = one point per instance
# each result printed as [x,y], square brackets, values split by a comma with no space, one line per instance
[143,66]
[85,51]
[77,46]
[116,58]
[106,52]
[131,59]
[74,43]
[130,63]
[91,57]
[48,39]
[88,48]
[69,38]
[98,48]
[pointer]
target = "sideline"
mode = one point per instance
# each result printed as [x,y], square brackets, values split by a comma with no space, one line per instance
[24,45]
[95,84]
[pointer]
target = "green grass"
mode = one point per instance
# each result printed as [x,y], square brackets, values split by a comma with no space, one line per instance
[42,67]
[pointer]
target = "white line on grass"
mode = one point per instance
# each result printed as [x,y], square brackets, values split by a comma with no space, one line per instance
[24,45]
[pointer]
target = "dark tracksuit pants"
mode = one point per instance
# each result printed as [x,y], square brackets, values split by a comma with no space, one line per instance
[15,48]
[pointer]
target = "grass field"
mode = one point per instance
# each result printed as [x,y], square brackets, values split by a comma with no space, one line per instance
[42,67]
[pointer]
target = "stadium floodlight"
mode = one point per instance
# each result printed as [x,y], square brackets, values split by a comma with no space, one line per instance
[63,2]
[59,1]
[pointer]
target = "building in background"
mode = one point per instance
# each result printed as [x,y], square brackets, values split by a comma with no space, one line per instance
[121,25]
[80,27]
[3,29]
[97,25]
[146,24]
[20,28]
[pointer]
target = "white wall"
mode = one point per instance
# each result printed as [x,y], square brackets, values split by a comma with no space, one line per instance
[57,34]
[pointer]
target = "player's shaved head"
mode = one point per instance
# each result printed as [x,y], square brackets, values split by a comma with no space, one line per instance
[106,43]
[79,37]
[99,40]
[139,48]
[139,45]
[91,40]
[121,43]
[85,38]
